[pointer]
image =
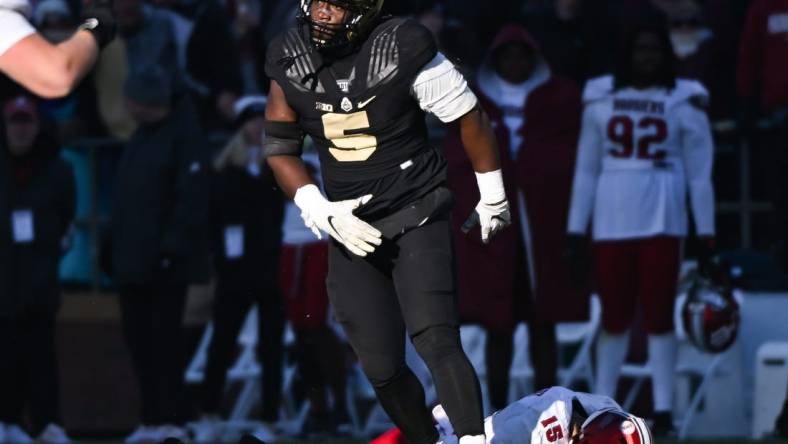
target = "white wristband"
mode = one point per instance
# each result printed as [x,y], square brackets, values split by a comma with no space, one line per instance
[309,196]
[491,187]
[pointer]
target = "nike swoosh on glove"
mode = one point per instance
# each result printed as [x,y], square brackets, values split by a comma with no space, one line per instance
[337,219]
[492,212]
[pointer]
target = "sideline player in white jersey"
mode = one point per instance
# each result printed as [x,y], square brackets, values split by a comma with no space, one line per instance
[552,416]
[645,145]
[45,69]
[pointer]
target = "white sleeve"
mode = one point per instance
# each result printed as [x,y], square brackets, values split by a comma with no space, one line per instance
[698,153]
[442,90]
[13,28]
[587,168]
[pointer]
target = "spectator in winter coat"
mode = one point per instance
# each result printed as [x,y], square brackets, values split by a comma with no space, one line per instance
[763,91]
[700,53]
[37,202]
[246,235]
[157,228]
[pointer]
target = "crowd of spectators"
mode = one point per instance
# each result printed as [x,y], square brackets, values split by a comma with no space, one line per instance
[182,91]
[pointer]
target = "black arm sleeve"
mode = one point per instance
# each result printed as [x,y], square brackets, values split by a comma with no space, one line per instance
[282,139]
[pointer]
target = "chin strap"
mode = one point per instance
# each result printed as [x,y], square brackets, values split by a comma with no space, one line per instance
[579,416]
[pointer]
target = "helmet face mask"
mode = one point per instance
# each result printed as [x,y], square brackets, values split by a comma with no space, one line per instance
[360,16]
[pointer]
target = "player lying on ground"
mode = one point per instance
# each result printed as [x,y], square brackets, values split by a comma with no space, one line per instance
[553,416]
[43,68]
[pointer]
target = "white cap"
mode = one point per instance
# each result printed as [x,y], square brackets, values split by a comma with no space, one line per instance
[247,102]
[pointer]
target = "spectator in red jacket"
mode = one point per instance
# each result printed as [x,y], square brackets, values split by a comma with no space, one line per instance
[521,274]
[763,91]
[763,65]
[699,55]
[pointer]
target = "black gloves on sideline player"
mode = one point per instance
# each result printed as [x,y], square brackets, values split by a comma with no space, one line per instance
[99,19]
[578,258]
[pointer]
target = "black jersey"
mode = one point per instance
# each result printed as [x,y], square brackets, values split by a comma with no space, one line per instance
[359,111]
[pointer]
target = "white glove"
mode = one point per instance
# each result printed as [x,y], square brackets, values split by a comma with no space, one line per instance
[492,211]
[337,219]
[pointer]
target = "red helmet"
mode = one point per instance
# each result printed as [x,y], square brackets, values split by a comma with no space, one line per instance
[614,427]
[710,316]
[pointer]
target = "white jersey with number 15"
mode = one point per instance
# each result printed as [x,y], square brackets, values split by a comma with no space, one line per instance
[641,153]
[541,418]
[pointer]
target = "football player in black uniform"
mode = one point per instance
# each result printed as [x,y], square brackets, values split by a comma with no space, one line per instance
[359,85]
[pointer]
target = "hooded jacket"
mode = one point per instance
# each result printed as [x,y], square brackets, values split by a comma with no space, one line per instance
[526,260]
[762,56]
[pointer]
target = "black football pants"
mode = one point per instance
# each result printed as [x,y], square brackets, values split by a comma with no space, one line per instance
[408,283]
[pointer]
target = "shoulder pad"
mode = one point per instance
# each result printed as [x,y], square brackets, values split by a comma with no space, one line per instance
[276,52]
[288,59]
[691,91]
[417,43]
[597,88]
[400,46]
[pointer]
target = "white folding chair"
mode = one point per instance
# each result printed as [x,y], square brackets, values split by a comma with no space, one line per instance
[247,371]
[244,365]
[521,375]
[584,334]
[771,386]
[195,371]
[474,339]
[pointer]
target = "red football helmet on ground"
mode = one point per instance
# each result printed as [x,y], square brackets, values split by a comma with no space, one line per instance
[614,427]
[710,316]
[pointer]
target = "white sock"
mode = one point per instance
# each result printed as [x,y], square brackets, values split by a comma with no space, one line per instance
[473,439]
[662,359]
[611,351]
